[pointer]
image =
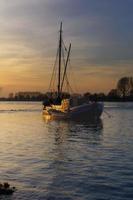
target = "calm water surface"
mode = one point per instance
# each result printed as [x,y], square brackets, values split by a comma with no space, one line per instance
[62,160]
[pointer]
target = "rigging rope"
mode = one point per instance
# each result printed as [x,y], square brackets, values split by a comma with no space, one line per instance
[66,78]
[73,75]
[54,72]
[52,81]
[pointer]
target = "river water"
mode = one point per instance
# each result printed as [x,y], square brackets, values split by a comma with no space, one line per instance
[65,160]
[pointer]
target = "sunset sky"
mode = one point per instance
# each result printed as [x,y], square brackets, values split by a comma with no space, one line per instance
[101,33]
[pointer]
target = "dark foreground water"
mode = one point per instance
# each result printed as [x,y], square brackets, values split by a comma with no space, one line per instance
[66,160]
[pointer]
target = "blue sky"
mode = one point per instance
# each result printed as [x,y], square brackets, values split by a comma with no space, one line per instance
[100,31]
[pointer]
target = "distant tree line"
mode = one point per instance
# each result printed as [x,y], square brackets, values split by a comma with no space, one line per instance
[122,92]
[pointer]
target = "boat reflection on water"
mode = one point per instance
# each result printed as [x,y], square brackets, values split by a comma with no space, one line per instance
[75,145]
[94,123]
[67,128]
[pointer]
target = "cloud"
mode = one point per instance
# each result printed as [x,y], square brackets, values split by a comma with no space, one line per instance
[100,32]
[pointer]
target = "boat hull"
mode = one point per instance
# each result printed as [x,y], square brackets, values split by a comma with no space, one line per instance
[91,111]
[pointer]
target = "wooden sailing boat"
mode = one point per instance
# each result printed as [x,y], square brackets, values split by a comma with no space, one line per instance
[59,107]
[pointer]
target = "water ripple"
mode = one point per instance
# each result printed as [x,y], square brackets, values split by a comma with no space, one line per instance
[63,160]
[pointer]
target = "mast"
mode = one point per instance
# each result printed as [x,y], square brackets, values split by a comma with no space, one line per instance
[59,70]
[65,67]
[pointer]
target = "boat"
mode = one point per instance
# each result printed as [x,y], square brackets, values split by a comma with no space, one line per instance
[57,105]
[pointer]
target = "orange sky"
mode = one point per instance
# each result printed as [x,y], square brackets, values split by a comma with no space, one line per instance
[101,38]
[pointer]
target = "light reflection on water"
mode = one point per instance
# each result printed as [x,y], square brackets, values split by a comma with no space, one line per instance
[65,159]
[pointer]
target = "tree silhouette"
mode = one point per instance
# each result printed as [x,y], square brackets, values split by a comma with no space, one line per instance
[125,86]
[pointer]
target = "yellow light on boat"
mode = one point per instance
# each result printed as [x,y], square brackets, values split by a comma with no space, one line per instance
[47,118]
